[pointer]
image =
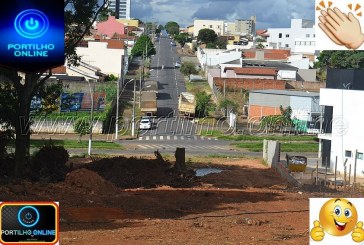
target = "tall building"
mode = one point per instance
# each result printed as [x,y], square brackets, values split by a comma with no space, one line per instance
[121,8]
[246,26]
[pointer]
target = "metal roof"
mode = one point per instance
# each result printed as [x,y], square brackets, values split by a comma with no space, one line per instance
[287,92]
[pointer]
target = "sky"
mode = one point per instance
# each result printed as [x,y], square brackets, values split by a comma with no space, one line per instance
[269,13]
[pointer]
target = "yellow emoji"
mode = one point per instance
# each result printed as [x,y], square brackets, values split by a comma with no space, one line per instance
[338,217]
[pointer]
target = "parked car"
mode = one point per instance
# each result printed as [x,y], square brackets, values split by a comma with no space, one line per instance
[177,65]
[145,123]
[173,44]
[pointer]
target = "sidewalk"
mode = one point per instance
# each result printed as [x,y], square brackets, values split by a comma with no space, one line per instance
[96,137]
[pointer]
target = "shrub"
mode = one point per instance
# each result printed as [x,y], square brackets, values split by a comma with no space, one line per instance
[82,127]
[49,163]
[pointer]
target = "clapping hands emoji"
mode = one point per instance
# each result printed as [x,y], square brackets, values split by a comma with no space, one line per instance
[342,29]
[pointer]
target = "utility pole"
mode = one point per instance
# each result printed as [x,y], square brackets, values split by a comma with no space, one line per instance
[133,119]
[122,78]
[140,88]
[91,116]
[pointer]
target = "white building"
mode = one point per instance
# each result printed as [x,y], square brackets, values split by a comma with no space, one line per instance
[299,37]
[347,132]
[214,57]
[121,8]
[106,55]
[216,25]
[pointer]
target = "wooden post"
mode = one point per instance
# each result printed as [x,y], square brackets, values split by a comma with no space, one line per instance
[335,171]
[180,159]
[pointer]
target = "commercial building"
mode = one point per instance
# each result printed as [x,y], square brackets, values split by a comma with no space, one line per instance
[121,8]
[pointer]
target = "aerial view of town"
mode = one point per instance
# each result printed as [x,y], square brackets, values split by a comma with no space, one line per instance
[191,122]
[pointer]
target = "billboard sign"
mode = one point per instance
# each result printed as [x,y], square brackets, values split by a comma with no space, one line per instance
[32,34]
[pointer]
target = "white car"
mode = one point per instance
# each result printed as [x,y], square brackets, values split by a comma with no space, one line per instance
[145,123]
[177,65]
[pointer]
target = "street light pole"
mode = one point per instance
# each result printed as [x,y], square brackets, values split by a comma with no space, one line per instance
[91,116]
[133,119]
[122,78]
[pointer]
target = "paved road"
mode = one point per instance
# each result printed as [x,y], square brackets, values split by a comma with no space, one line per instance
[170,84]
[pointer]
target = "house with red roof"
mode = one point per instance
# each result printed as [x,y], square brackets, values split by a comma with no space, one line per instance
[109,27]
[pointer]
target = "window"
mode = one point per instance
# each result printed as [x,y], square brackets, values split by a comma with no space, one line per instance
[348,153]
[360,156]
[287,35]
[287,45]
[210,26]
[280,35]
[307,35]
[314,35]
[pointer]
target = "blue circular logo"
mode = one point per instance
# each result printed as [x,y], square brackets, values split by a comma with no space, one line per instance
[28,216]
[31,23]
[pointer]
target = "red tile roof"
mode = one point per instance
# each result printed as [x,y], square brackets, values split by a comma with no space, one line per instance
[255,71]
[59,70]
[114,44]
[269,54]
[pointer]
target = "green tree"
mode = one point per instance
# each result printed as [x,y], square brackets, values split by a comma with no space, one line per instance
[340,59]
[260,46]
[49,94]
[207,36]
[18,89]
[159,29]
[172,28]
[143,46]
[277,122]
[182,38]
[82,127]
[104,14]
[203,104]
[188,68]
[228,104]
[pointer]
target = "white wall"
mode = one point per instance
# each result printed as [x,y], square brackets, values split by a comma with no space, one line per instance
[216,25]
[347,126]
[289,35]
[214,57]
[97,54]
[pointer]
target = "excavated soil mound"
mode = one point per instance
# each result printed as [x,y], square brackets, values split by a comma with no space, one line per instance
[89,180]
[135,173]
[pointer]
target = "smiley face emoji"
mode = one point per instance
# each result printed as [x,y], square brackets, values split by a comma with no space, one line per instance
[338,217]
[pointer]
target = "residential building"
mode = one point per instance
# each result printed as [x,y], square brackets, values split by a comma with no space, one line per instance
[214,57]
[300,34]
[305,105]
[110,27]
[105,54]
[343,131]
[216,25]
[121,8]
[246,27]
[229,28]
[190,29]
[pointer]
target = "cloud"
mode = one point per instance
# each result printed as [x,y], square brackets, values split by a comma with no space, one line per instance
[269,13]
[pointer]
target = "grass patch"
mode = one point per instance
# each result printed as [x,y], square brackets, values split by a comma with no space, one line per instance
[211,133]
[269,137]
[285,147]
[76,144]
[198,86]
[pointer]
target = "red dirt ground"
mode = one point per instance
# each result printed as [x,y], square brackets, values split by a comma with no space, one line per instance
[247,203]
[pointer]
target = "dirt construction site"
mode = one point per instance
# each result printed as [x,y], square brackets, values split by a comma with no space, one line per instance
[144,201]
